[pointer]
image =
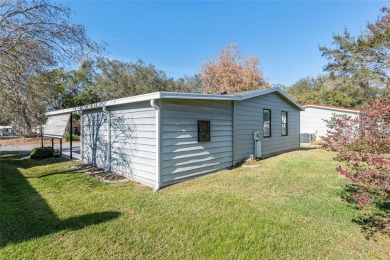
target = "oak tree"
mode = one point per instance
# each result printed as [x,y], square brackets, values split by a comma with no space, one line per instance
[232,72]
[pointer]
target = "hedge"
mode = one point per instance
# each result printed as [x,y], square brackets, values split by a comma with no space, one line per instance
[41,153]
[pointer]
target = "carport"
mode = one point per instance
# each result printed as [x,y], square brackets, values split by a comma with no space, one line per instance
[55,129]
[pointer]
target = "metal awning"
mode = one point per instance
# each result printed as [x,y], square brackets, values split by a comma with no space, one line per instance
[56,125]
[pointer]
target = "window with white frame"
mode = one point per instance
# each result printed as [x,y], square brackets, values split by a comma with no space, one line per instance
[267,122]
[284,117]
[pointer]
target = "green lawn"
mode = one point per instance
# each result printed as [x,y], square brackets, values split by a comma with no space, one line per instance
[289,207]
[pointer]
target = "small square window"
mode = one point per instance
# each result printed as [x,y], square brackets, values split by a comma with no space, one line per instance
[203,131]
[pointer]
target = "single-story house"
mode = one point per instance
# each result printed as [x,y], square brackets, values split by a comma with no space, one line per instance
[163,137]
[38,129]
[312,118]
[6,130]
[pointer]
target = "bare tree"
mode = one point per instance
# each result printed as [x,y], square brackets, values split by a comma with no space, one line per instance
[35,35]
[37,26]
[232,72]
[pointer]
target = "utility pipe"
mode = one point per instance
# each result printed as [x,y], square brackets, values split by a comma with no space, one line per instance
[71,137]
[158,144]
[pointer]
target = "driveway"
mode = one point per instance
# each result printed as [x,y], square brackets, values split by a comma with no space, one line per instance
[27,148]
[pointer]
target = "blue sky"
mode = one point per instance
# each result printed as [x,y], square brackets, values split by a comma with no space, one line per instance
[178,36]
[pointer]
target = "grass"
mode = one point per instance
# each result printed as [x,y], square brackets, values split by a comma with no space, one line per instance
[289,207]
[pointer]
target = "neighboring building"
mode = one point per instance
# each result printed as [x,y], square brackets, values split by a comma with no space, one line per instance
[75,128]
[312,119]
[6,130]
[162,138]
[37,129]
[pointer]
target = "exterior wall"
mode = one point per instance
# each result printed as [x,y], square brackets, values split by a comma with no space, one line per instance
[249,119]
[312,119]
[94,137]
[132,140]
[182,156]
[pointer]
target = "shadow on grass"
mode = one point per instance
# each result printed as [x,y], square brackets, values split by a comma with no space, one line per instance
[377,221]
[12,155]
[24,214]
[347,195]
[374,223]
[51,174]
[308,148]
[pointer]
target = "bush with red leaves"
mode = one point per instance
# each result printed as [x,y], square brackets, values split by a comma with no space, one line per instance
[363,144]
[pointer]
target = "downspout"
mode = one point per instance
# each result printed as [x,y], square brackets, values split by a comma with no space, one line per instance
[234,133]
[158,145]
[108,148]
[80,113]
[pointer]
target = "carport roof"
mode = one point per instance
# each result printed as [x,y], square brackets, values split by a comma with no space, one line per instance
[177,95]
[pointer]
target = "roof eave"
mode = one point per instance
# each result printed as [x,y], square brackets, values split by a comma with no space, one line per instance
[121,101]
[173,95]
[333,108]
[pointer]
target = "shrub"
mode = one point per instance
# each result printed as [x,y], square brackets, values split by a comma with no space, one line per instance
[74,137]
[41,153]
[363,144]
[30,135]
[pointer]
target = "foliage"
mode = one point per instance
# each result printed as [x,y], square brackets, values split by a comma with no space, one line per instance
[287,208]
[74,137]
[117,79]
[94,81]
[358,69]
[364,145]
[339,91]
[232,72]
[41,153]
[63,89]
[364,58]
[189,84]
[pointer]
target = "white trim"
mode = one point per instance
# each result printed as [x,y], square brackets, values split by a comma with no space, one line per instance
[158,144]
[126,100]
[173,95]
[333,108]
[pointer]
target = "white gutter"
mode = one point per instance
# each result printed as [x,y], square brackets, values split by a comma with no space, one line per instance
[107,112]
[174,95]
[355,111]
[158,145]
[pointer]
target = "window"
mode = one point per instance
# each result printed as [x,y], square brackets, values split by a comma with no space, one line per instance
[203,131]
[266,122]
[284,123]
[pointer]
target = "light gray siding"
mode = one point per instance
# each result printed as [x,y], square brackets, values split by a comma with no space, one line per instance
[133,140]
[93,137]
[133,136]
[312,119]
[182,155]
[249,118]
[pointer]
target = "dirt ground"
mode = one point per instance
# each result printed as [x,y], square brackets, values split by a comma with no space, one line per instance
[29,141]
